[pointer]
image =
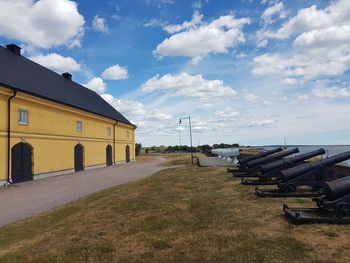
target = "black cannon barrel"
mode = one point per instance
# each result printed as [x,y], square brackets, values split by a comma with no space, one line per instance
[296,171]
[337,188]
[271,157]
[263,154]
[290,161]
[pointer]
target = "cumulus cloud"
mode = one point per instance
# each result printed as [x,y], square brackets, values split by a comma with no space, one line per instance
[320,47]
[196,39]
[99,24]
[332,92]
[43,23]
[128,107]
[97,85]
[115,72]
[135,110]
[307,19]
[276,10]
[57,62]
[188,86]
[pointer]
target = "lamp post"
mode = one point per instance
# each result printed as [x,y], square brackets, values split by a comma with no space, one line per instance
[180,141]
[189,122]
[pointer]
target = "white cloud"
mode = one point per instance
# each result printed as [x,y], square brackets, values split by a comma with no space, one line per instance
[99,24]
[197,5]
[196,39]
[57,62]
[155,22]
[303,97]
[205,105]
[128,107]
[301,65]
[307,19]
[241,55]
[289,81]
[262,123]
[115,72]
[196,20]
[188,86]
[156,115]
[228,112]
[97,85]
[135,110]
[315,41]
[276,10]
[250,97]
[44,23]
[331,92]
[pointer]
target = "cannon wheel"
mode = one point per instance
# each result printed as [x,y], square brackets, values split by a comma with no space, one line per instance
[291,188]
[342,210]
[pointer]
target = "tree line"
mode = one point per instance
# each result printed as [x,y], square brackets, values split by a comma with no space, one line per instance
[206,148]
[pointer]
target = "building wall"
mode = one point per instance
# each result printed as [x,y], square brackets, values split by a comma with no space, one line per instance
[51,131]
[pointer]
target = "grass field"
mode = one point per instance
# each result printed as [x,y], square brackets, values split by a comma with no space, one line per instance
[183,214]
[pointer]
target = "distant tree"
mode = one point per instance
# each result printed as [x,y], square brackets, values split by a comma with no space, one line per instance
[205,148]
[225,145]
[138,147]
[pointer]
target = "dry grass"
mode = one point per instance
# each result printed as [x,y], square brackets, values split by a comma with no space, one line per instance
[187,214]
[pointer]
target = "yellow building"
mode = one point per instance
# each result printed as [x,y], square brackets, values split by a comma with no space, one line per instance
[51,125]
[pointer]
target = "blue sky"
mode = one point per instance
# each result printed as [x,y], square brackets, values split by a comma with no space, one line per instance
[246,71]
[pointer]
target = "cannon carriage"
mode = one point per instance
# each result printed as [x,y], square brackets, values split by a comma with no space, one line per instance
[332,207]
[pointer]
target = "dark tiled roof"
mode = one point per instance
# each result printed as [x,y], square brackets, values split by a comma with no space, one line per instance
[24,75]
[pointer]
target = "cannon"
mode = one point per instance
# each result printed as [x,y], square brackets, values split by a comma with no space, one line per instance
[271,170]
[251,168]
[308,174]
[333,205]
[291,161]
[243,160]
[296,171]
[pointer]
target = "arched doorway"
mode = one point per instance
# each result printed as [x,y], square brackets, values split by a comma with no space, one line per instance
[127,154]
[21,168]
[109,155]
[78,157]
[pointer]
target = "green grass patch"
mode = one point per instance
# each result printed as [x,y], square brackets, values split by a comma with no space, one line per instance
[183,214]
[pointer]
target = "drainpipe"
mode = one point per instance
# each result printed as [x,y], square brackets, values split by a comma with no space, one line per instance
[115,124]
[9,133]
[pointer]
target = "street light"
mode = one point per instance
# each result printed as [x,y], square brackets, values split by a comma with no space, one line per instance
[189,121]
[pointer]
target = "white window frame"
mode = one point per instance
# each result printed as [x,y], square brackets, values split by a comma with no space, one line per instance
[109,131]
[21,119]
[79,129]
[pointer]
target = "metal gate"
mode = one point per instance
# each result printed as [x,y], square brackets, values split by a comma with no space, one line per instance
[127,154]
[109,155]
[21,169]
[78,157]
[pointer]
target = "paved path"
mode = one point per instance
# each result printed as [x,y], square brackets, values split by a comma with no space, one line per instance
[27,199]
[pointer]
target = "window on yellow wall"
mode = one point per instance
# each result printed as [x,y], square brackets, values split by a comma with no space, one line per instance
[109,131]
[79,126]
[127,134]
[22,117]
